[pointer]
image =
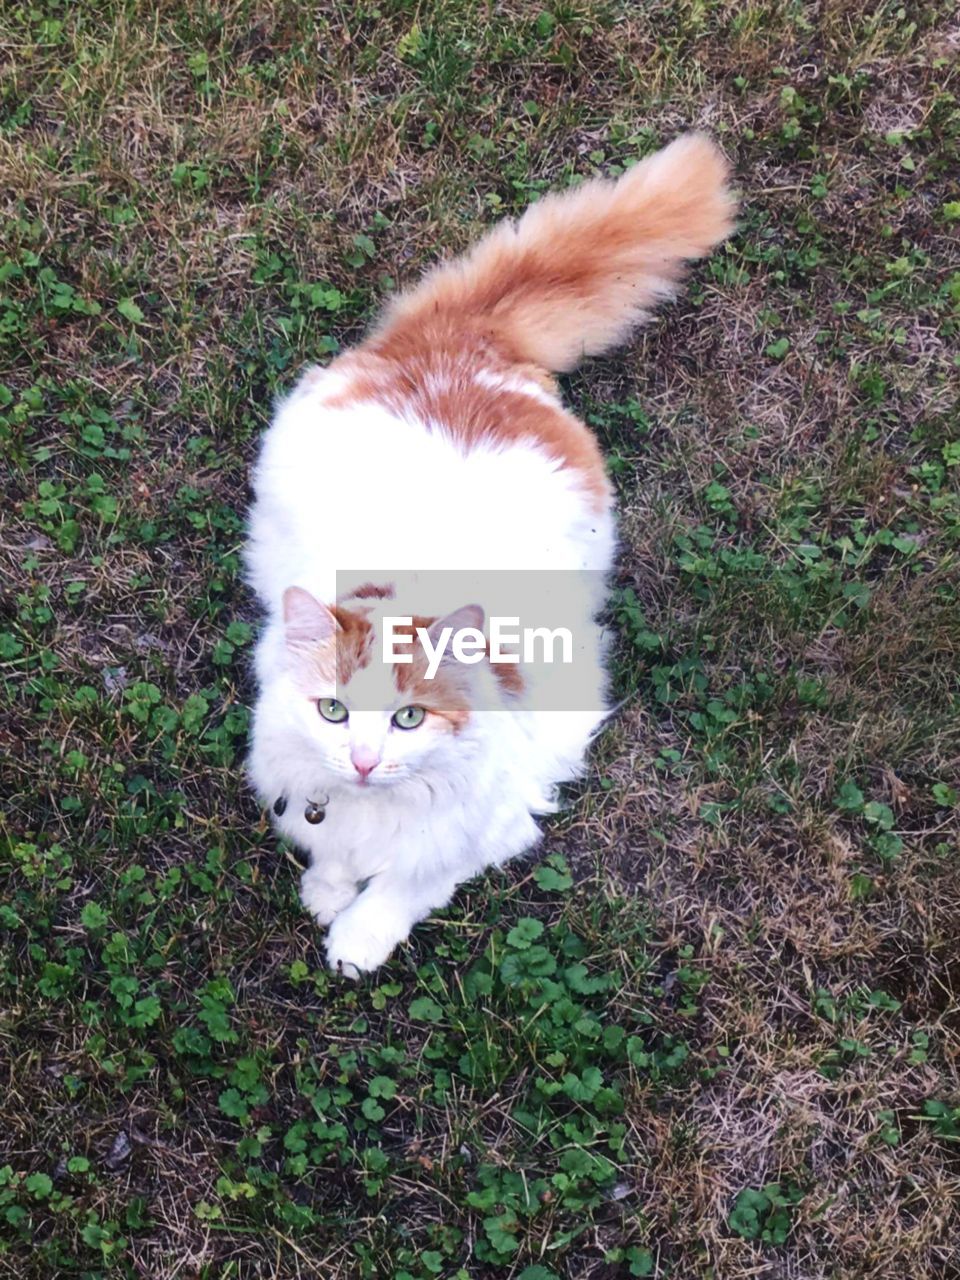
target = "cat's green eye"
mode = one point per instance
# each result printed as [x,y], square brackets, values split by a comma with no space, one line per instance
[409,717]
[332,710]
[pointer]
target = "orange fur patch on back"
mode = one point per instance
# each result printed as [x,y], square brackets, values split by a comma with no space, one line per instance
[452,379]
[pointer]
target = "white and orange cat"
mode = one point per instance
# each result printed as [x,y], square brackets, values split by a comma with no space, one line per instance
[441,444]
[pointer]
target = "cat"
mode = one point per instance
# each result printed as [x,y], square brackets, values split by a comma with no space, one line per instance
[440,443]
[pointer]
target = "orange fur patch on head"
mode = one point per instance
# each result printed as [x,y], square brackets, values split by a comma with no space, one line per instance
[509,675]
[353,645]
[336,659]
[372,591]
[446,695]
[354,642]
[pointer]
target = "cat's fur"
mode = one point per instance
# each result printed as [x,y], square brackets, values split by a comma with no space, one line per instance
[441,443]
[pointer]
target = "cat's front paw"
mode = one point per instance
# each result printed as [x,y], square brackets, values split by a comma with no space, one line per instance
[362,939]
[324,900]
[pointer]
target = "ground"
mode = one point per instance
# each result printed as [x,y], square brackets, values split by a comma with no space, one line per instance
[713,1032]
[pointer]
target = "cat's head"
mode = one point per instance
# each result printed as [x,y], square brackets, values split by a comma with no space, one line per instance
[375,723]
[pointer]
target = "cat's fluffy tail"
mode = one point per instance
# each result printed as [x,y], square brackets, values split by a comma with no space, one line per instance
[581,268]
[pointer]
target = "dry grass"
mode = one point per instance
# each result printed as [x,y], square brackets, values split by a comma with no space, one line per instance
[785,445]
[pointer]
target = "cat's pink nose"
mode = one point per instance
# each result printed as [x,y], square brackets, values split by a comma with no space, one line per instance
[364,761]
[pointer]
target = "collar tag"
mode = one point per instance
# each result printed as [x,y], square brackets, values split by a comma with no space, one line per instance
[315,812]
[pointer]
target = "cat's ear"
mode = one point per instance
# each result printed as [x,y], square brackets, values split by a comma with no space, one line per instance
[468,615]
[306,621]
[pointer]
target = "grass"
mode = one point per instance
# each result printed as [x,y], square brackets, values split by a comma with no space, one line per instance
[714,1032]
